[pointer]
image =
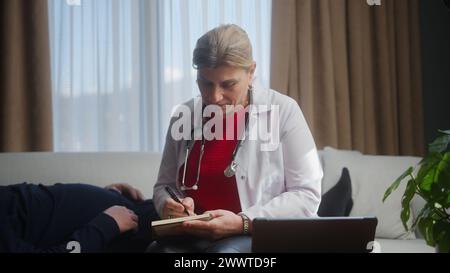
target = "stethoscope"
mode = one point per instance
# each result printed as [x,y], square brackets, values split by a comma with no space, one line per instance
[229,171]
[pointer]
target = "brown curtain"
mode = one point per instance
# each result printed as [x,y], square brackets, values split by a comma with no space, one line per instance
[25,87]
[355,71]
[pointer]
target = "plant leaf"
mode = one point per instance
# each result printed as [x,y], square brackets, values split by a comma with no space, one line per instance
[427,165]
[447,132]
[426,228]
[441,234]
[397,182]
[406,200]
[429,175]
[428,181]
[423,213]
[444,245]
[443,164]
[444,169]
[435,186]
[440,144]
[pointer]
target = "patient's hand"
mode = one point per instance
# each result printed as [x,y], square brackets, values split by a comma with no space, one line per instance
[224,224]
[127,190]
[126,219]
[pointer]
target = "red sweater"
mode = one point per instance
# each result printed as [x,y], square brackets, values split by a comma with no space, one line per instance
[215,190]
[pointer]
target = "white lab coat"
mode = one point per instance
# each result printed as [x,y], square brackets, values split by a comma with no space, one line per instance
[282,183]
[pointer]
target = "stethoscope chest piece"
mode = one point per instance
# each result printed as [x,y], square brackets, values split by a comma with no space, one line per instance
[186,188]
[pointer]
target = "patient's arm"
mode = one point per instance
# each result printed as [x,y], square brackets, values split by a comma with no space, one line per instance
[92,237]
[127,190]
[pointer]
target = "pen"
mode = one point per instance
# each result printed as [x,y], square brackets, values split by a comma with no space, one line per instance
[175,198]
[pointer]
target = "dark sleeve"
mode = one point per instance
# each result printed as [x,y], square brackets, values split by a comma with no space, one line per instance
[93,237]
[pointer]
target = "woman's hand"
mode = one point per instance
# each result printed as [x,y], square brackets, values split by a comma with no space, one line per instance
[127,190]
[224,224]
[174,209]
[126,219]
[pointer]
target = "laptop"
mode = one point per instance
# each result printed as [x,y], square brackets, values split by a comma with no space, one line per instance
[326,234]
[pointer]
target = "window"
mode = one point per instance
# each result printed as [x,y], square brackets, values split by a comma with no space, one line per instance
[120,66]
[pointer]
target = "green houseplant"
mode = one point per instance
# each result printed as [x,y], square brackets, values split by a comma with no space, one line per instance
[432,183]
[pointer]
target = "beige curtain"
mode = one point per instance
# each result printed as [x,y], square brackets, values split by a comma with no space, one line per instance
[354,69]
[25,87]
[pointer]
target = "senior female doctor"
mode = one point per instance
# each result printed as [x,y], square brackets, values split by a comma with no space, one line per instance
[237,179]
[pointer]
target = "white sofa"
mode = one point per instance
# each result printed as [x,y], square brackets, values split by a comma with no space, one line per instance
[140,170]
[370,177]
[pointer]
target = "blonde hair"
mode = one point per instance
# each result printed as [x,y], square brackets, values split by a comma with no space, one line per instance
[226,44]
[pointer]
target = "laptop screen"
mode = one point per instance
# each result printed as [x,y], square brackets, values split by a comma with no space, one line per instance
[335,234]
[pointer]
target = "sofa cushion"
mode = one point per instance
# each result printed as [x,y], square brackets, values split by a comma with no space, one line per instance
[371,176]
[338,200]
[332,163]
[136,168]
[379,172]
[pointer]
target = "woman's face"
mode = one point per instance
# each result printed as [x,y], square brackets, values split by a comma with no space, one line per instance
[225,85]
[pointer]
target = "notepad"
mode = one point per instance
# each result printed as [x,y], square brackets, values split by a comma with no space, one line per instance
[171,227]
